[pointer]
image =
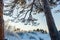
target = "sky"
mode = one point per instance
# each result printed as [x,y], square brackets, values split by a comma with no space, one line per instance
[41,19]
[56,16]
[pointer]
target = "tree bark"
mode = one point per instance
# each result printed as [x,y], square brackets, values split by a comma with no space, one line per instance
[50,21]
[1,21]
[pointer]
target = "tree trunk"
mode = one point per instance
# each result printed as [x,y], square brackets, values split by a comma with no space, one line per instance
[50,21]
[1,21]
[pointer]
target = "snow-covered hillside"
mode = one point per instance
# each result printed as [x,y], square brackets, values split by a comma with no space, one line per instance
[29,36]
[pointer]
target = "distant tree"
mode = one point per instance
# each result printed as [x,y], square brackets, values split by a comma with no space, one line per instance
[34,30]
[45,31]
[37,30]
[42,30]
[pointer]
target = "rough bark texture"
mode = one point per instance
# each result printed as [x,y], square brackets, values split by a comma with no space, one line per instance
[50,21]
[1,21]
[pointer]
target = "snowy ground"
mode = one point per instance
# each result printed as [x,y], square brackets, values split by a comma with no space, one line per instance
[29,36]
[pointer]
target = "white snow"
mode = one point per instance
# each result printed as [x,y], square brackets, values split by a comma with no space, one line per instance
[29,36]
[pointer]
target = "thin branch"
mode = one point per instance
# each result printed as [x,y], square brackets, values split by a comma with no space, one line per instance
[26,13]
